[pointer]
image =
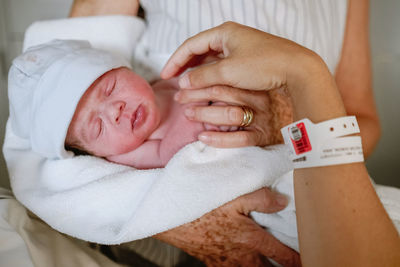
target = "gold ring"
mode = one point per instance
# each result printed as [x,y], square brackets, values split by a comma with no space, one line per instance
[248,116]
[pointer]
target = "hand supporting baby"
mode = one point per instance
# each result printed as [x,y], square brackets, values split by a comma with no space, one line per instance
[227,236]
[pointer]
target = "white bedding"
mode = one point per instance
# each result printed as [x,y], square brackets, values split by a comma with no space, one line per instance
[26,241]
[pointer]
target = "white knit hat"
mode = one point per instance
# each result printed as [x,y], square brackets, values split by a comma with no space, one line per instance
[45,85]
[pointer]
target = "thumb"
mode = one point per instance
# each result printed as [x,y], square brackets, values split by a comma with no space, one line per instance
[263,200]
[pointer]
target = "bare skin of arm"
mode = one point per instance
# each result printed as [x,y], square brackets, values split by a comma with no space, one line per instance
[339,216]
[84,8]
[338,211]
[354,75]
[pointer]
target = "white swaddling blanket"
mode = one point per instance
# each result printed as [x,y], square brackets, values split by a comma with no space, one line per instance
[102,202]
[99,201]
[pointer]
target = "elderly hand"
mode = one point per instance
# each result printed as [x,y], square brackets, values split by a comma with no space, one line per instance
[228,237]
[272,110]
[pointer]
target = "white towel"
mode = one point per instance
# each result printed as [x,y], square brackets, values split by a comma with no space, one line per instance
[102,202]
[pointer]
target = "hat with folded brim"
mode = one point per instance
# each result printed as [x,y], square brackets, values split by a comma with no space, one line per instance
[45,85]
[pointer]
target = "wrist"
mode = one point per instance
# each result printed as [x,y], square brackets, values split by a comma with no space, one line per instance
[313,90]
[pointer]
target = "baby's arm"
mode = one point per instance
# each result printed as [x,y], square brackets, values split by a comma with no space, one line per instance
[146,156]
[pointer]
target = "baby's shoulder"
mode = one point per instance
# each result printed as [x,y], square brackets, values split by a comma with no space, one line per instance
[170,84]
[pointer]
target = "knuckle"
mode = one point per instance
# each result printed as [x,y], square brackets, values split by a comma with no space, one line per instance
[224,71]
[234,114]
[245,138]
[217,142]
[201,113]
[260,138]
[182,95]
[216,91]
[196,113]
[225,142]
[229,25]
[267,197]
[260,242]
[254,241]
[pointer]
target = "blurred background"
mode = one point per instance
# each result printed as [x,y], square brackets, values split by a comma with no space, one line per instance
[17,15]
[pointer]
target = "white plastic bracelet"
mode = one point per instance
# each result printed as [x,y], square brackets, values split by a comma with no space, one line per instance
[322,144]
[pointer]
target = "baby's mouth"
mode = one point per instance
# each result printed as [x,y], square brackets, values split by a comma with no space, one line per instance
[138,117]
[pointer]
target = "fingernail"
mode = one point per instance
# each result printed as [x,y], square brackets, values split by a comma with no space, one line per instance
[281,200]
[177,96]
[184,81]
[189,113]
[204,138]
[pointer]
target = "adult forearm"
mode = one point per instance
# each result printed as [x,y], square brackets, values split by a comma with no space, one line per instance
[338,212]
[370,131]
[82,8]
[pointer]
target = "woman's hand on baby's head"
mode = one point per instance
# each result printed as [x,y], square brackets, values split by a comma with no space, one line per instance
[267,119]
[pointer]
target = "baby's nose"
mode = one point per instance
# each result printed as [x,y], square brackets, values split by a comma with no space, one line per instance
[115,111]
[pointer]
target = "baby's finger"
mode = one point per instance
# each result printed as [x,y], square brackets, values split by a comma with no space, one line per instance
[222,93]
[217,115]
[228,139]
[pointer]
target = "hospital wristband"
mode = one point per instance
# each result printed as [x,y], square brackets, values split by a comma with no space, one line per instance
[323,144]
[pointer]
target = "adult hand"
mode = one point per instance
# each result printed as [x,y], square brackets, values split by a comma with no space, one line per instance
[226,236]
[249,59]
[272,110]
[254,60]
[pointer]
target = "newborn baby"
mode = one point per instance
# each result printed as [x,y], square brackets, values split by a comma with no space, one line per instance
[121,118]
[67,96]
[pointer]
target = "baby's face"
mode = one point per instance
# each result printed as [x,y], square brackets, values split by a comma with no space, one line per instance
[116,114]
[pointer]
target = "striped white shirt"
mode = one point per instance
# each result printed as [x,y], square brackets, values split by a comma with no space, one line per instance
[316,24]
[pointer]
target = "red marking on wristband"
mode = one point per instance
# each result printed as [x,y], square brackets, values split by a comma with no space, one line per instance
[298,135]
